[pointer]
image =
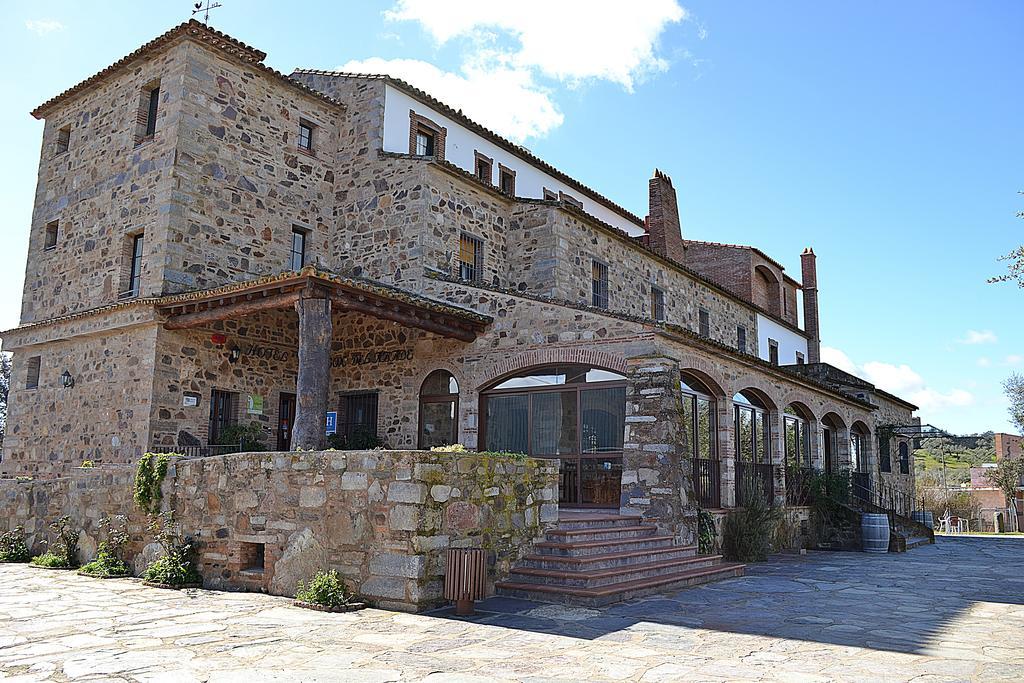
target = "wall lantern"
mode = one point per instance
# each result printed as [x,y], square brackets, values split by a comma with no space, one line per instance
[218,339]
[234,354]
[66,380]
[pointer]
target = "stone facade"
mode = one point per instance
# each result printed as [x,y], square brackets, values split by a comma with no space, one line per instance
[382,519]
[220,188]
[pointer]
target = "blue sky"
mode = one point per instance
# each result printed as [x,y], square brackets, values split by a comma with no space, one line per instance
[881,134]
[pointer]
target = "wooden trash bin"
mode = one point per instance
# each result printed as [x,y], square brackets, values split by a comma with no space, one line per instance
[465,578]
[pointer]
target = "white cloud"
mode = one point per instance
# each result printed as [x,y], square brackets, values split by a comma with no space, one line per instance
[503,98]
[901,380]
[42,27]
[835,357]
[984,362]
[569,40]
[982,337]
[1014,359]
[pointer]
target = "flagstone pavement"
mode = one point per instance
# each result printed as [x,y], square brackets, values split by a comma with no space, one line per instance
[949,612]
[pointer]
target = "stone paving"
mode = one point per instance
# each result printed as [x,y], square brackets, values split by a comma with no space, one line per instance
[953,611]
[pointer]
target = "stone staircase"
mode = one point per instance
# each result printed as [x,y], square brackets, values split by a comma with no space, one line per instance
[596,559]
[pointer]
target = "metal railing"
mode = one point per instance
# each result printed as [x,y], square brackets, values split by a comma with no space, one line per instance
[707,482]
[201,451]
[884,495]
[757,477]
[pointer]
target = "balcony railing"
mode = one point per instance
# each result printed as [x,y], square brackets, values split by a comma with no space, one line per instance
[707,482]
[751,477]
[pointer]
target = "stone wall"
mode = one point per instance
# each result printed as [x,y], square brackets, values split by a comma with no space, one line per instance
[383,519]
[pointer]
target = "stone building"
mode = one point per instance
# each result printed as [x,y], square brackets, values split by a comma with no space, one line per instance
[215,243]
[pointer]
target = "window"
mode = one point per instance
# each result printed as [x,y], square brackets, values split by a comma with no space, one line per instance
[63,139]
[439,410]
[484,168]
[358,420]
[134,267]
[424,144]
[569,199]
[426,138]
[32,372]
[884,456]
[223,411]
[149,105]
[550,195]
[904,455]
[151,112]
[573,412]
[858,460]
[52,235]
[507,180]
[698,440]
[471,258]
[298,255]
[798,439]
[741,338]
[753,448]
[599,284]
[306,136]
[704,322]
[657,304]
[253,556]
[799,358]
[773,352]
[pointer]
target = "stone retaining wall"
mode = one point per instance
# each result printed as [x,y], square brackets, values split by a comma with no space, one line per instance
[383,519]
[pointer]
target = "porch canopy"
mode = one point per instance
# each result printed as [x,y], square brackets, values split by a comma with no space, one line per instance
[315,294]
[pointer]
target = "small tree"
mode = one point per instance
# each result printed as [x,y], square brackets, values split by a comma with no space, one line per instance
[1014,388]
[5,388]
[1007,477]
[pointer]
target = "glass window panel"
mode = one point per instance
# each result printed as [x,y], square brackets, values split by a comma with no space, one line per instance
[439,383]
[437,424]
[554,423]
[507,423]
[705,428]
[688,436]
[761,437]
[604,419]
[744,434]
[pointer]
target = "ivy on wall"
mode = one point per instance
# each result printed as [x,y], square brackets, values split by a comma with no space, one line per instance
[149,479]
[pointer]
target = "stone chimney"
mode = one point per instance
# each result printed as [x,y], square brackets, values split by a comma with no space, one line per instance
[809,274]
[664,235]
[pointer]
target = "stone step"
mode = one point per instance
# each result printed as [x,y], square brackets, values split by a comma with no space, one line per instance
[589,521]
[916,541]
[608,560]
[615,575]
[599,547]
[616,592]
[603,533]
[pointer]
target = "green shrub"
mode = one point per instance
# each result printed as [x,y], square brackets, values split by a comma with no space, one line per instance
[748,532]
[707,534]
[63,550]
[325,588]
[830,493]
[149,479]
[13,547]
[109,559]
[248,437]
[361,439]
[88,463]
[177,566]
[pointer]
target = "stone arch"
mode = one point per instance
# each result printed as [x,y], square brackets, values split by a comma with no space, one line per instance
[553,356]
[764,390]
[713,384]
[766,289]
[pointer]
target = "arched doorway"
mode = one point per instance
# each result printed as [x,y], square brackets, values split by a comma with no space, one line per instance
[439,410]
[698,439]
[860,479]
[575,413]
[833,442]
[752,433]
[796,421]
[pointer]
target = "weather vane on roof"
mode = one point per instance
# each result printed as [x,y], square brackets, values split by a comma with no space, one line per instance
[199,7]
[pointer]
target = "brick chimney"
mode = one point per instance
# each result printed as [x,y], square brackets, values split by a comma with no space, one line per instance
[664,235]
[809,274]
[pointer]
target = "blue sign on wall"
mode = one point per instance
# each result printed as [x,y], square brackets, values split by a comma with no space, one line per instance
[332,422]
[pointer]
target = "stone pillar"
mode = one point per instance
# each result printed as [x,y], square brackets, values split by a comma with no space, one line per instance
[314,380]
[727,451]
[656,476]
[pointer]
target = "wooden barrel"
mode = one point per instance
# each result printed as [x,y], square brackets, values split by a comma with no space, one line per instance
[925,517]
[874,531]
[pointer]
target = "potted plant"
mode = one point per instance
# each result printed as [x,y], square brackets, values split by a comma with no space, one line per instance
[326,592]
[176,568]
[13,547]
[109,561]
[63,552]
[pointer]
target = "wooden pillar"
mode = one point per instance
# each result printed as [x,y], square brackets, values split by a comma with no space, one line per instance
[314,380]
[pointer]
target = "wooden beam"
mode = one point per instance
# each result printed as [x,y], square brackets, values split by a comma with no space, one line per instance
[346,303]
[229,311]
